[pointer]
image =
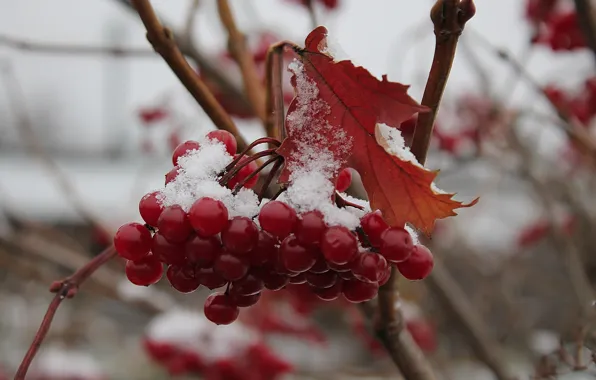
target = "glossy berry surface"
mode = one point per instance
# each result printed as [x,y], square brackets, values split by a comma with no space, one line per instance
[357,291]
[209,279]
[182,149]
[277,218]
[220,309]
[240,235]
[167,252]
[174,225]
[369,266]
[310,228]
[373,226]
[231,267]
[396,244]
[150,208]
[322,280]
[265,251]
[295,257]
[172,174]
[344,180]
[247,286]
[202,252]
[331,293]
[225,137]
[182,279]
[208,216]
[144,272]
[132,241]
[419,265]
[245,301]
[339,245]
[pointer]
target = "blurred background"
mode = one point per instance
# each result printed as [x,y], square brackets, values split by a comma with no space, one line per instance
[89,116]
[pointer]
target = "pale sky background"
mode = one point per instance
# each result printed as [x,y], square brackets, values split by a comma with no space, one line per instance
[66,95]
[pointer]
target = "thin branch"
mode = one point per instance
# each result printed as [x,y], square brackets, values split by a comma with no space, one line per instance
[587,22]
[312,13]
[191,18]
[449,18]
[274,125]
[163,42]
[253,86]
[66,288]
[69,49]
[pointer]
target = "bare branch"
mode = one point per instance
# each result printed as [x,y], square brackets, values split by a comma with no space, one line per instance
[587,21]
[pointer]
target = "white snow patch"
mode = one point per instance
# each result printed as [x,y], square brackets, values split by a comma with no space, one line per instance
[190,330]
[393,143]
[544,342]
[58,362]
[198,177]
[413,234]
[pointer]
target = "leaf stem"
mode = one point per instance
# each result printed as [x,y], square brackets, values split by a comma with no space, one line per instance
[274,124]
[229,175]
[256,172]
[162,40]
[269,178]
[66,288]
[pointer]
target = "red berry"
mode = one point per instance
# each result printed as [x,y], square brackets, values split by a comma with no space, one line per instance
[184,148]
[418,265]
[341,268]
[299,279]
[220,310]
[277,218]
[240,235]
[322,280]
[310,228]
[231,267]
[208,216]
[331,293]
[245,301]
[385,275]
[144,272]
[347,275]
[339,245]
[369,267]
[150,208]
[174,225]
[209,279]
[396,244]
[132,241]
[243,173]
[202,251]
[265,251]
[181,280]
[320,265]
[247,286]
[172,174]
[295,257]
[373,226]
[166,252]
[273,281]
[357,291]
[225,137]
[344,180]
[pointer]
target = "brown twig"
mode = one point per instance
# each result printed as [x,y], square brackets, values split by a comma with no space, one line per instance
[66,288]
[59,48]
[274,124]
[312,13]
[587,22]
[449,18]
[253,86]
[164,44]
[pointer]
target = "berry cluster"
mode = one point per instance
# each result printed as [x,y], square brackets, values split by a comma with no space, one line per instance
[206,244]
[555,26]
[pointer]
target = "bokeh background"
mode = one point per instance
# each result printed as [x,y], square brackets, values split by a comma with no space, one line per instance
[85,133]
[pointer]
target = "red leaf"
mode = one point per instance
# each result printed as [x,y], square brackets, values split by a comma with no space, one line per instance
[336,111]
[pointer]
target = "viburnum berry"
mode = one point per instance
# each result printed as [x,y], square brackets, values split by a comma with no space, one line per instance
[342,268]
[339,245]
[167,252]
[396,244]
[322,280]
[220,309]
[385,275]
[346,275]
[208,216]
[320,265]
[245,301]
[274,281]
[246,170]
[277,218]
[344,180]
[357,291]
[132,241]
[418,265]
[209,279]
[373,226]
[225,137]
[184,148]
[295,257]
[231,267]
[265,250]
[240,235]
[299,279]
[150,208]
[369,266]
[310,228]
[144,272]
[172,174]
[202,252]
[181,279]
[247,286]
[331,293]
[174,225]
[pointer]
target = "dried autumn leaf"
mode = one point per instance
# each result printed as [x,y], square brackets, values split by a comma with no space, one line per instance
[336,111]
